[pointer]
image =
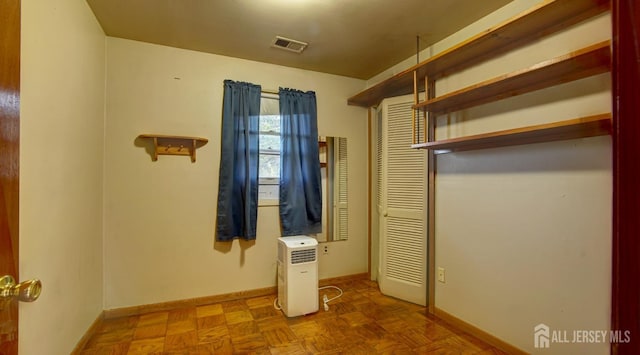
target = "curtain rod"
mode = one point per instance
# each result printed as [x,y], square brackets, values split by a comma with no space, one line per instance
[274,92]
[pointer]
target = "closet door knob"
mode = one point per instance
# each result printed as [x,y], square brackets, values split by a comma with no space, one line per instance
[26,291]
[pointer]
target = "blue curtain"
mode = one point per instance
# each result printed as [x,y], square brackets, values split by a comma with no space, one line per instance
[300,181]
[238,184]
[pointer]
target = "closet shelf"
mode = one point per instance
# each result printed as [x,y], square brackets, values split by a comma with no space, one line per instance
[576,65]
[174,145]
[582,127]
[540,21]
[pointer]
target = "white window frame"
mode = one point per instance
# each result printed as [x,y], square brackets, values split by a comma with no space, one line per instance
[268,186]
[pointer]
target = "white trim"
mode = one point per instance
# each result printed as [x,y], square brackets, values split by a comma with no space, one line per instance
[268,202]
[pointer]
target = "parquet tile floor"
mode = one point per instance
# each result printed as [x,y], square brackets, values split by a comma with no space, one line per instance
[362,321]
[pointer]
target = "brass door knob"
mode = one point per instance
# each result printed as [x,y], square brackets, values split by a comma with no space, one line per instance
[26,291]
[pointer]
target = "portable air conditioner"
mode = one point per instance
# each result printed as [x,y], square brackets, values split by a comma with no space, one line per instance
[297,275]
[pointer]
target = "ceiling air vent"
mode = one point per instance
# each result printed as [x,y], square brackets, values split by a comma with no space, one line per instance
[289,44]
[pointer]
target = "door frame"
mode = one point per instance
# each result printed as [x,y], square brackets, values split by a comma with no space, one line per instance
[625,293]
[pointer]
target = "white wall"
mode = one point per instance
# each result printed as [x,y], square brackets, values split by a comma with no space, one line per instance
[160,216]
[524,233]
[61,172]
[535,245]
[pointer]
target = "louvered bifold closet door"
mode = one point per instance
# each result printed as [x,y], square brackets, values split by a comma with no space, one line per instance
[404,195]
[341,211]
[376,191]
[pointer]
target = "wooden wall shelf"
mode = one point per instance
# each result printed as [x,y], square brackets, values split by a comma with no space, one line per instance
[322,148]
[540,21]
[174,145]
[590,126]
[592,60]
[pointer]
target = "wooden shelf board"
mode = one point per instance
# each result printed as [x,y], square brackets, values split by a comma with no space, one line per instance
[174,145]
[542,20]
[398,85]
[548,17]
[590,126]
[576,65]
[201,141]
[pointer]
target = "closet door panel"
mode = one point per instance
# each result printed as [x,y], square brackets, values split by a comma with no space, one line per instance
[403,193]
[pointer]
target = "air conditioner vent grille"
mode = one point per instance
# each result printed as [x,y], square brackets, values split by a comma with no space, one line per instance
[281,42]
[303,256]
[289,44]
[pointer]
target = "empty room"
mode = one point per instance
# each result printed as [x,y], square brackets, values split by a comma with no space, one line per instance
[319,177]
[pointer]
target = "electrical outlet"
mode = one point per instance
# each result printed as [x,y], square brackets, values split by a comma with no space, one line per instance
[325,249]
[441,274]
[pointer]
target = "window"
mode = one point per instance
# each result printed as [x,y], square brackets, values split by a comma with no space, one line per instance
[269,165]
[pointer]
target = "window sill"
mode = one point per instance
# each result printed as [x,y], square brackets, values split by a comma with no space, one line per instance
[268,202]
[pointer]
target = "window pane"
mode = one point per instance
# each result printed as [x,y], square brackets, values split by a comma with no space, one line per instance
[269,105]
[269,166]
[270,142]
[268,192]
[269,172]
[270,123]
